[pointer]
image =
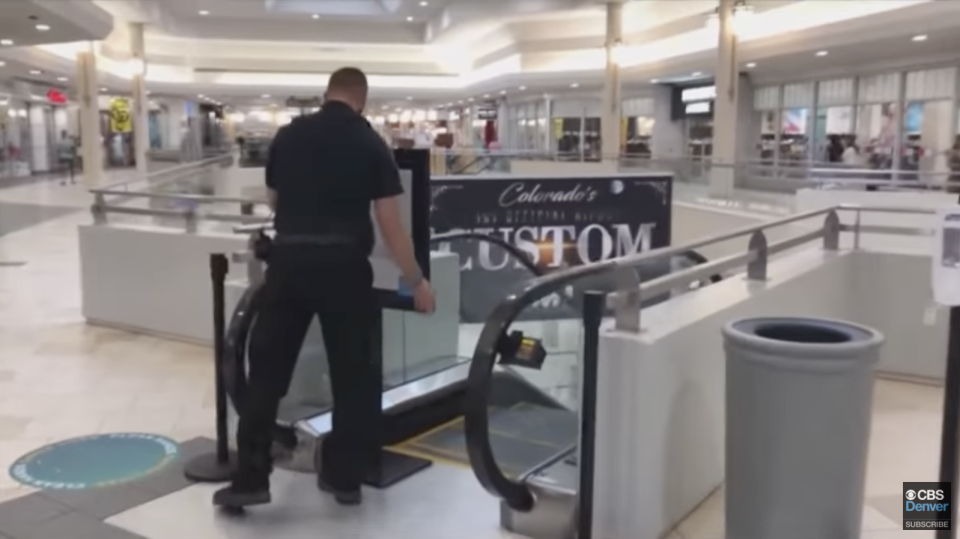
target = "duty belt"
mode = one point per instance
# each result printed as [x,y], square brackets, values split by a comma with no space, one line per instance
[319,240]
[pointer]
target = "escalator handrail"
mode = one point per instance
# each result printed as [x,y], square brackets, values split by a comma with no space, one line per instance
[238,330]
[476,406]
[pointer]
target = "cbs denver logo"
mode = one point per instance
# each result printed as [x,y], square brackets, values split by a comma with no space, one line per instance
[926,506]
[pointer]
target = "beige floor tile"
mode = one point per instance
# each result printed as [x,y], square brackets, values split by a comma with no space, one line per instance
[12,427]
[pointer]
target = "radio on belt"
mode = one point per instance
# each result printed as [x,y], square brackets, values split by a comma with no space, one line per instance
[520,351]
[946,257]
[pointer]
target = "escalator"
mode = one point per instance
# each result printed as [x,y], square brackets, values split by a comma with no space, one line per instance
[514,420]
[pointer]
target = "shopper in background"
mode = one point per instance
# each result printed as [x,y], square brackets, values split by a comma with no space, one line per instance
[834,149]
[851,154]
[953,163]
[67,155]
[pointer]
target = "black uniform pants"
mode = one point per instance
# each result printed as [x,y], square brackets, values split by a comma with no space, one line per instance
[336,285]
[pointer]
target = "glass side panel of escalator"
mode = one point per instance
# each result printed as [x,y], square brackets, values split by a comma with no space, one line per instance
[418,347]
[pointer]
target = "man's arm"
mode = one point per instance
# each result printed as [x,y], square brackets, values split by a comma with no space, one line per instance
[386,203]
[271,169]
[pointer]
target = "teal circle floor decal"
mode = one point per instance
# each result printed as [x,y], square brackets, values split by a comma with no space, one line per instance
[94,461]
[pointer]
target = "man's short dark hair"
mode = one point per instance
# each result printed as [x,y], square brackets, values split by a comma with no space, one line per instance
[348,80]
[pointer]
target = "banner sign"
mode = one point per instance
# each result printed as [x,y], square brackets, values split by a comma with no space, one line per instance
[557,222]
[120,120]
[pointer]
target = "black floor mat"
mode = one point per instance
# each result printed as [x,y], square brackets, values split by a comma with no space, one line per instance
[522,437]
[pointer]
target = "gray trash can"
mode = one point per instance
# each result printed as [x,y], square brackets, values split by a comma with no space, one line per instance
[799,397]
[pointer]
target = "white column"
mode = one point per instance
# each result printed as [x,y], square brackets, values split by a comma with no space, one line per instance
[725,106]
[612,100]
[141,108]
[91,141]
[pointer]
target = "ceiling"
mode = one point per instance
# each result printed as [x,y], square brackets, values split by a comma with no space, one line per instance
[24,22]
[546,52]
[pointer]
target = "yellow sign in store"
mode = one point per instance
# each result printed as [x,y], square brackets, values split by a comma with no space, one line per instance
[120,121]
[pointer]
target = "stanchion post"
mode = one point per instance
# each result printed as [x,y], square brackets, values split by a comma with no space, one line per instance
[950,430]
[216,467]
[593,306]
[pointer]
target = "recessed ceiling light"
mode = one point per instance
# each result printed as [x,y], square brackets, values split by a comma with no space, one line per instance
[104,90]
[315,16]
[921,37]
[409,19]
[6,42]
[822,53]
[201,96]
[204,12]
[42,27]
[62,79]
[575,85]
[265,96]
[503,92]
[36,72]
[696,73]
[654,81]
[470,100]
[522,88]
[751,65]
[424,4]
[486,96]
[2,63]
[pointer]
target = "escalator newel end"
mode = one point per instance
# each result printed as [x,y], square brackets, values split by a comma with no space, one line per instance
[520,351]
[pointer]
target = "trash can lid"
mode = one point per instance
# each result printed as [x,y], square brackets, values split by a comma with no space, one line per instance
[801,336]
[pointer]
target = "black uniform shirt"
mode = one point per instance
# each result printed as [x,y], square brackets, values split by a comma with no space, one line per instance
[327,168]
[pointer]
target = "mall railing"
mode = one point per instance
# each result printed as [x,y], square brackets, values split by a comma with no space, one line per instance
[181,196]
[623,300]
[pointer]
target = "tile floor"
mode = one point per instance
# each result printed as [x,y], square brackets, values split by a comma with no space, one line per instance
[61,378]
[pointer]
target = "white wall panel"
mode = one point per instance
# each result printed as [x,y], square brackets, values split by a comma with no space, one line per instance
[766,98]
[836,92]
[798,95]
[883,88]
[931,84]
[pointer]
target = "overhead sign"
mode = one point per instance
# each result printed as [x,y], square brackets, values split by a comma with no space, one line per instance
[703,107]
[56,96]
[120,120]
[556,222]
[487,112]
[702,93]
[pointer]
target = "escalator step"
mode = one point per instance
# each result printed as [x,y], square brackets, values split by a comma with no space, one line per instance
[522,437]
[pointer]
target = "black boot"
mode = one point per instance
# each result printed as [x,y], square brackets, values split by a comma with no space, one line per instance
[251,481]
[239,495]
[343,497]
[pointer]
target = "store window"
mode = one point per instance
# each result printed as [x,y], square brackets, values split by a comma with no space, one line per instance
[877,119]
[766,106]
[928,130]
[796,124]
[637,127]
[834,124]
[14,136]
[576,129]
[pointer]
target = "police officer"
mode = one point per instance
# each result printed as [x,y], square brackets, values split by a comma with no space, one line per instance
[324,171]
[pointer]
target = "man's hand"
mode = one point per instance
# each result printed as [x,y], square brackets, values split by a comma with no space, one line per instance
[423,298]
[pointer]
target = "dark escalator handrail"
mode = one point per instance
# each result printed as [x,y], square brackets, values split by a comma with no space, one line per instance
[476,421]
[235,350]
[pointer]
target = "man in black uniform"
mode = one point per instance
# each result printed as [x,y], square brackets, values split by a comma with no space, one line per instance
[324,172]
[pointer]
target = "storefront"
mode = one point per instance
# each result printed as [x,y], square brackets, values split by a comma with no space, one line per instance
[905,121]
[693,105]
[33,121]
